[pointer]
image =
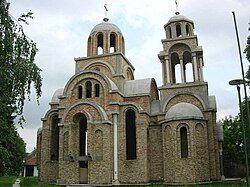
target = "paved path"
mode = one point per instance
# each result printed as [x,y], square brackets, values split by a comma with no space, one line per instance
[17,183]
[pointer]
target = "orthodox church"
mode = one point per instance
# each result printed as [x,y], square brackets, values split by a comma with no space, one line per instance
[105,127]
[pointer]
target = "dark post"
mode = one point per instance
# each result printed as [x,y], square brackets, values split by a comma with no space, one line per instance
[244,134]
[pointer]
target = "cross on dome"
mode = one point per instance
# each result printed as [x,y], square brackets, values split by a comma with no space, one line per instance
[106,19]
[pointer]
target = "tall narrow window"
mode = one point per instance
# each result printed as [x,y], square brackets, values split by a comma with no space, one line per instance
[54,146]
[100,44]
[88,86]
[184,142]
[178,30]
[130,135]
[79,92]
[112,43]
[83,139]
[97,90]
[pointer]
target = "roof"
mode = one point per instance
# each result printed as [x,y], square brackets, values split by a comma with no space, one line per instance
[137,87]
[56,94]
[30,159]
[105,26]
[184,111]
[177,18]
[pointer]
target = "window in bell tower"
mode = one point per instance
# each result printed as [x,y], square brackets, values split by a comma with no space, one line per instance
[178,30]
[187,60]
[176,68]
[99,43]
[112,43]
[89,46]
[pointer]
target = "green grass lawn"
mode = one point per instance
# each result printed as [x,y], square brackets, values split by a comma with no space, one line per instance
[7,181]
[33,182]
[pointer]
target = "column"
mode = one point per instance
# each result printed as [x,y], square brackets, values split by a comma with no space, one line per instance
[167,70]
[201,70]
[163,72]
[183,29]
[196,78]
[173,29]
[115,123]
[182,71]
[86,143]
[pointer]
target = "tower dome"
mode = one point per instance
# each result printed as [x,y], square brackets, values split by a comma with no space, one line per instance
[105,26]
[177,18]
[179,26]
[105,38]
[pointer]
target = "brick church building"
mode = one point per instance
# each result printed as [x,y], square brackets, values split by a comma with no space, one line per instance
[105,127]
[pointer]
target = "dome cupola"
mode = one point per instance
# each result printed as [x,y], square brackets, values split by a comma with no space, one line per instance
[179,26]
[105,38]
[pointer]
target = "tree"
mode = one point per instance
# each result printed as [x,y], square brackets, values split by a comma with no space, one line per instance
[17,73]
[247,52]
[233,141]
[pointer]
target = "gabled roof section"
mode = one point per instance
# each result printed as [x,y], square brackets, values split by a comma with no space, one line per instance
[138,87]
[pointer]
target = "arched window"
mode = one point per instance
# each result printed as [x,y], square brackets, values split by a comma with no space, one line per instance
[178,30]
[187,60]
[184,142]
[188,30]
[97,90]
[54,144]
[100,44]
[130,135]
[112,43]
[79,92]
[176,68]
[169,32]
[88,86]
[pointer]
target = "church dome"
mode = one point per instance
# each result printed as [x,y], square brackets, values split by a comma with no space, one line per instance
[105,38]
[178,18]
[105,26]
[183,111]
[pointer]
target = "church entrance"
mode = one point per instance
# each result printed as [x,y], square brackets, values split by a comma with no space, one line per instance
[83,139]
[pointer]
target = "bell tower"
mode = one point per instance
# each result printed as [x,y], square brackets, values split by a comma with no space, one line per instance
[180,50]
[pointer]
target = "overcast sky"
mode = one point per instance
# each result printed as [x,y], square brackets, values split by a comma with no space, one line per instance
[61,28]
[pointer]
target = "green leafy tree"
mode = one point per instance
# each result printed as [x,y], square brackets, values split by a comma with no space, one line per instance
[247,52]
[233,150]
[17,73]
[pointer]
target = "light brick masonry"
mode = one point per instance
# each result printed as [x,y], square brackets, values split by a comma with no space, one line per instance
[175,133]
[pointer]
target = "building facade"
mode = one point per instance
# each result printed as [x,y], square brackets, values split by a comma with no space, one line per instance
[105,127]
